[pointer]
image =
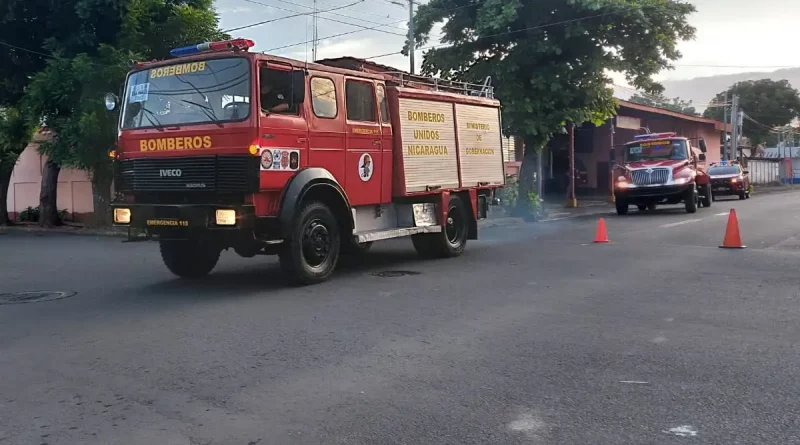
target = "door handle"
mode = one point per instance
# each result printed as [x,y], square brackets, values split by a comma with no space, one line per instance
[376,142]
[302,140]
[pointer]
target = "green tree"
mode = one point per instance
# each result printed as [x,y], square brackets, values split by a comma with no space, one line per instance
[771,103]
[549,58]
[15,133]
[661,101]
[69,91]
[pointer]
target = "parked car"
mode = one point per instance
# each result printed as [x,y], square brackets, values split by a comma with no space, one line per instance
[729,179]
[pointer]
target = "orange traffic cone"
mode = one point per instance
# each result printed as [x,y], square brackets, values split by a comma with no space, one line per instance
[733,239]
[602,235]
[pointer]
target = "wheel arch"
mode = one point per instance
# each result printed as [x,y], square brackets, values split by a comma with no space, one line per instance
[314,184]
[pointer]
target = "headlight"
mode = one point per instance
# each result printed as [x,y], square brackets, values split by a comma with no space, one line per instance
[734,180]
[681,181]
[226,217]
[122,216]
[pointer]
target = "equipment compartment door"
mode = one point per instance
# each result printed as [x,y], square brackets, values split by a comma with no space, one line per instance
[479,150]
[363,161]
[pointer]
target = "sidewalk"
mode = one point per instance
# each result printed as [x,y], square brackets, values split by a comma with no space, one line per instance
[555,212]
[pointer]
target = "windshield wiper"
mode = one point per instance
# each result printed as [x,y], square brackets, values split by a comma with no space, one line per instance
[207,110]
[153,120]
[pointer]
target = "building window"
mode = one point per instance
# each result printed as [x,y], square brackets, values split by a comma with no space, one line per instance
[323,97]
[360,98]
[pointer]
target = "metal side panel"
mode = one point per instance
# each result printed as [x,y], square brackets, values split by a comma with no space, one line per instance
[479,145]
[378,235]
[427,130]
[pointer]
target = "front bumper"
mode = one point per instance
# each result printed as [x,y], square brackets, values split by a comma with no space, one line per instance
[182,220]
[727,188]
[656,191]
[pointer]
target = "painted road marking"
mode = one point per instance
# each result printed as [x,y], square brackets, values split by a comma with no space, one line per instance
[634,382]
[722,214]
[676,224]
[683,431]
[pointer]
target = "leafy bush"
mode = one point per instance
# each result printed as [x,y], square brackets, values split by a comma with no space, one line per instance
[510,193]
[30,214]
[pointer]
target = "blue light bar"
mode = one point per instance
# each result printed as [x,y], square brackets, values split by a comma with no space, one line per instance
[192,49]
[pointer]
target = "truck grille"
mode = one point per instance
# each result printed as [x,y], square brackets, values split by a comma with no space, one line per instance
[219,174]
[656,176]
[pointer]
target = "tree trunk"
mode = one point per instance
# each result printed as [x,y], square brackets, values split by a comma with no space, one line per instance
[5,182]
[101,196]
[48,211]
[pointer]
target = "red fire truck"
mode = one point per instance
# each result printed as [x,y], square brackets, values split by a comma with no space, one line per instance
[224,148]
[661,168]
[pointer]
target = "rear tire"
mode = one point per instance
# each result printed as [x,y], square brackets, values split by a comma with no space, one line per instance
[622,207]
[189,259]
[691,200]
[452,241]
[311,253]
[706,196]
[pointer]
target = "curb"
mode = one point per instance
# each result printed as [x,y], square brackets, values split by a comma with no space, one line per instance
[64,231]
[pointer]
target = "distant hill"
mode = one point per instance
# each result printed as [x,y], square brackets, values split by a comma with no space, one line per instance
[701,90]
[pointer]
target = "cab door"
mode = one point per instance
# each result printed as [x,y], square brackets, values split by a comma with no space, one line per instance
[363,141]
[283,135]
[387,144]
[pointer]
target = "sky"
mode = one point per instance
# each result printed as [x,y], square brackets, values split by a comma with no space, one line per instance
[732,35]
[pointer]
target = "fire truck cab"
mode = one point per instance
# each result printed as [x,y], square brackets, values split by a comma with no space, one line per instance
[224,148]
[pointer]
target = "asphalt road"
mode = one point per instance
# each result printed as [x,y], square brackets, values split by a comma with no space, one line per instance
[534,336]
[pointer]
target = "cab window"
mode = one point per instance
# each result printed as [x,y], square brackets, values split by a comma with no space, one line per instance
[384,104]
[323,97]
[275,90]
[360,101]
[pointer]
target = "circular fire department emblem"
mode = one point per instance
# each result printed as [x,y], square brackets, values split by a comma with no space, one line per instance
[266,159]
[365,167]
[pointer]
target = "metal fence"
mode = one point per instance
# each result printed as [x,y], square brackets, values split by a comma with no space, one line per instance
[765,171]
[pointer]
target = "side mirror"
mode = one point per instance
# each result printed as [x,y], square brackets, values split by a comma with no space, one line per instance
[112,101]
[298,86]
[746,172]
[703,146]
[702,157]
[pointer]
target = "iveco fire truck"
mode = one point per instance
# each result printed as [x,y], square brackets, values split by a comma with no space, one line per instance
[223,148]
[661,168]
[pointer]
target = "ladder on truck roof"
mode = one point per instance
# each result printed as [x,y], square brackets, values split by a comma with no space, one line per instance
[484,89]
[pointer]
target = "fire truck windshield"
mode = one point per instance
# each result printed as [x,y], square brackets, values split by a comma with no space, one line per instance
[656,150]
[216,90]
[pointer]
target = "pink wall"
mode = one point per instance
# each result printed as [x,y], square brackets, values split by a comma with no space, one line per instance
[74,186]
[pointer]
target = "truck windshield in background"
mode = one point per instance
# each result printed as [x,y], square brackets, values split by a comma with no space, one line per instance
[658,150]
[216,90]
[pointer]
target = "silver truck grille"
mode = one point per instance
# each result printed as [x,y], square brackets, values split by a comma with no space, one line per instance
[655,176]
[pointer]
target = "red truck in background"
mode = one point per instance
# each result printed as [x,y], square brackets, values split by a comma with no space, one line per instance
[224,148]
[661,168]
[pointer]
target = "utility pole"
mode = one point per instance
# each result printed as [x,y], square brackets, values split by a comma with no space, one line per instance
[725,128]
[734,125]
[411,40]
[314,34]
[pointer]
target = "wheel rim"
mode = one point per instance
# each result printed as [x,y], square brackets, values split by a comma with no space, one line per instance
[454,228]
[316,243]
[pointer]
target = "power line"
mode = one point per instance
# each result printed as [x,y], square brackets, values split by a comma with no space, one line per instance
[252,25]
[375,28]
[318,12]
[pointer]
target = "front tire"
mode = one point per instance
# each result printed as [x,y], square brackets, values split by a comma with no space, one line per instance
[311,253]
[622,207]
[742,196]
[707,196]
[452,241]
[691,200]
[189,259]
